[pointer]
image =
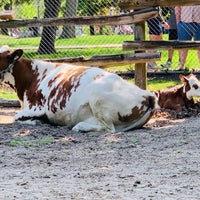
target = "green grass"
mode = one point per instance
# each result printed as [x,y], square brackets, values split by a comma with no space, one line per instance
[27,43]
[7,95]
[22,141]
[160,84]
[80,40]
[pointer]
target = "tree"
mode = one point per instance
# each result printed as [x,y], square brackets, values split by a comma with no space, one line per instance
[15,2]
[47,46]
[94,7]
[70,10]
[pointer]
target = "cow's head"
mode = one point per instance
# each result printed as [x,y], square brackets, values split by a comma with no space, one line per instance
[191,85]
[8,59]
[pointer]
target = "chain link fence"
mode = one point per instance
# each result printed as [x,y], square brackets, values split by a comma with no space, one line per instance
[74,41]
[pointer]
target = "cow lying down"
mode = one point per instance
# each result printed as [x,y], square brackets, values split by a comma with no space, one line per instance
[82,98]
[179,97]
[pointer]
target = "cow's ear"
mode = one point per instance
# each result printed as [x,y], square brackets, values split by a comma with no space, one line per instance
[16,55]
[183,78]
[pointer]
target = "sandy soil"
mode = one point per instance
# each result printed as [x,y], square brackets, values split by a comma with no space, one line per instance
[160,161]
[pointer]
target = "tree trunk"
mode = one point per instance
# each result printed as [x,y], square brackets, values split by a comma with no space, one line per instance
[71,9]
[49,33]
[92,32]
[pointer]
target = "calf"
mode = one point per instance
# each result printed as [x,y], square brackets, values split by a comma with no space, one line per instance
[178,97]
[82,98]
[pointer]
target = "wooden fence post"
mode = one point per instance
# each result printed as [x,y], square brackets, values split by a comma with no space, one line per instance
[140,68]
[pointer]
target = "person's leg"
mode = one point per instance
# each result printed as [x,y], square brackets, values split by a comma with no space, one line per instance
[184,33]
[172,36]
[155,37]
[170,55]
[155,34]
[197,37]
[183,56]
[198,55]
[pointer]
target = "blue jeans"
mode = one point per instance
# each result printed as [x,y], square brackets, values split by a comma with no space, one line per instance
[187,31]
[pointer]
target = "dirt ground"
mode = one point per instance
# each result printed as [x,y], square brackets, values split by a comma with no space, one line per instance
[158,162]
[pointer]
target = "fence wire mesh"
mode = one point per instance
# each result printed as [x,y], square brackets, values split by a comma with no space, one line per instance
[75,41]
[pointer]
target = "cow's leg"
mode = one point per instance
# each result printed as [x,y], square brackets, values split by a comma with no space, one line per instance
[92,124]
[28,116]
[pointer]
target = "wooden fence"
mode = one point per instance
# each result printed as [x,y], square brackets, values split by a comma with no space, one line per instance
[144,9]
[140,45]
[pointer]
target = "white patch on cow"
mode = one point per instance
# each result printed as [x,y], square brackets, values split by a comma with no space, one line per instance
[28,122]
[4,49]
[41,65]
[9,78]
[195,88]
[91,124]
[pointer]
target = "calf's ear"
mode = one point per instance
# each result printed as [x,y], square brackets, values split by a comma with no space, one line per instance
[16,55]
[183,78]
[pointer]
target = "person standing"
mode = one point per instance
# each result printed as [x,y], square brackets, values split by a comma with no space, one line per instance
[155,32]
[172,36]
[188,26]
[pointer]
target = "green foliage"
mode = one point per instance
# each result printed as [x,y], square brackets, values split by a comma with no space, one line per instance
[94,7]
[22,11]
[3,3]
[17,2]
[14,2]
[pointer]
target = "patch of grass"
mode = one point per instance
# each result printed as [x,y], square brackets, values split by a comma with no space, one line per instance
[161,84]
[24,142]
[134,140]
[7,95]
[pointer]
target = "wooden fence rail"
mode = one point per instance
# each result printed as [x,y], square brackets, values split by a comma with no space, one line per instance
[127,18]
[105,61]
[140,4]
[157,45]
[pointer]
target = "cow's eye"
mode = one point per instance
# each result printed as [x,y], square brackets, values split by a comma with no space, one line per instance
[195,86]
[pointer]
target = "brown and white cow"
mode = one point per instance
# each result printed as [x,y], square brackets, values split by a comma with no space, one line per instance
[82,98]
[179,97]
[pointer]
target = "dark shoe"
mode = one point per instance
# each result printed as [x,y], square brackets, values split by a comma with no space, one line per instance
[168,64]
[180,70]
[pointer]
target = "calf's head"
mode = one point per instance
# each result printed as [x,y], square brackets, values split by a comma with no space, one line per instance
[191,86]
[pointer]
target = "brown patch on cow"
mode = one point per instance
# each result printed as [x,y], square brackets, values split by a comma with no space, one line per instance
[98,76]
[58,64]
[44,74]
[62,91]
[149,102]
[187,86]
[145,102]
[4,60]
[135,114]
[35,97]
